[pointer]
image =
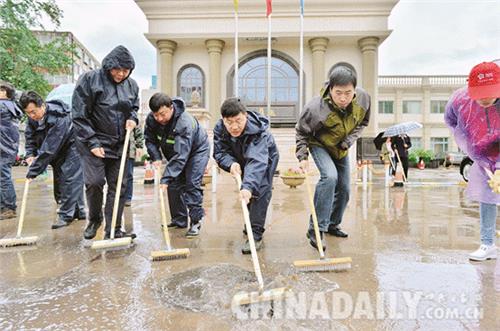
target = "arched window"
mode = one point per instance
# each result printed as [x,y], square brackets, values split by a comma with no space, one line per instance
[284,86]
[189,79]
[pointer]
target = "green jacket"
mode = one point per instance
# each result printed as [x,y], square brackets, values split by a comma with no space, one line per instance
[322,123]
[136,141]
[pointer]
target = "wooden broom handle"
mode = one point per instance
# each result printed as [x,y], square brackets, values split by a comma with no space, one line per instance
[248,226]
[118,189]
[23,208]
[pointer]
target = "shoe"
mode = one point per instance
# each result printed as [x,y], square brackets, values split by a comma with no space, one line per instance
[176,225]
[312,239]
[128,203]
[484,252]
[60,223]
[335,231]
[7,213]
[194,231]
[80,216]
[245,249]
[91,230]
[120,234]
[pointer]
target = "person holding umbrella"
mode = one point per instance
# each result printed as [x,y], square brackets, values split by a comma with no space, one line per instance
[473,116]
[401,143]
[328,126]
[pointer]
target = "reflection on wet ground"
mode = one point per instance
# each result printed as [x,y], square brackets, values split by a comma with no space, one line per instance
[406,243]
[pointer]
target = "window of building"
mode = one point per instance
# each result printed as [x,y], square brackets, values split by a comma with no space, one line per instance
[189,80]
[416,143]
[439,145]
[438,106]
[252,84]
[386,107]
[412,107]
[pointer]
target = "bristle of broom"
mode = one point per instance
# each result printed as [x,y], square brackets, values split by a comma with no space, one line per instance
[246,298]
[112,243]
[22,241]
[174,254]
[337,264]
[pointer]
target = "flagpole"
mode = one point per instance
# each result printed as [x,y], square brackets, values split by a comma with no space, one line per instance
[301,59]
[268,110]
[236,56]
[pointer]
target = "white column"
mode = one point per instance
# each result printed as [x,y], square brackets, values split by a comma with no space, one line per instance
[318,48]
[214,48]
[369,50]
[166,49]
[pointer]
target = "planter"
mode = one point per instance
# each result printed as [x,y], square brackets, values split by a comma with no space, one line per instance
[207,179]
[293,181]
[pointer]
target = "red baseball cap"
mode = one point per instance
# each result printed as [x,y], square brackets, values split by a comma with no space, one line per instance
[484,81]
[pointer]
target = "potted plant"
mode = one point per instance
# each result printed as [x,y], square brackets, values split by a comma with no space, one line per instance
[293,177]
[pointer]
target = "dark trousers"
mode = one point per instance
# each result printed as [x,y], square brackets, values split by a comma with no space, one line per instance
[185,193]
[130,179]
[70,184]
[97,172]
[257,208]
[7,191]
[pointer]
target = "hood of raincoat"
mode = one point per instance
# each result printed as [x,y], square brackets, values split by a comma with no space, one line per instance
[119,58]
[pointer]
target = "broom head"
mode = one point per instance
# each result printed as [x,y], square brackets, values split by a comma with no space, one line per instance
[338,264]
[246,298]
[21,241]
[172,254]
[112,243]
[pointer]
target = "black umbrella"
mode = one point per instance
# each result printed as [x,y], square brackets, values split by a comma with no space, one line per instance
[379,140]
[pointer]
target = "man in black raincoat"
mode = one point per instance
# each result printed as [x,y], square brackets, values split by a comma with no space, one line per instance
[184,143]
[50,140]
[9,143]
[104,105]
[243,145]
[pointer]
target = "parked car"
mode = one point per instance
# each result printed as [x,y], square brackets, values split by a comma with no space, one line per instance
[455,158]
[465,167]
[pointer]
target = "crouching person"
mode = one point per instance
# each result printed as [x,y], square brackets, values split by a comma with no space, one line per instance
[176,134]
[50,140]
[243,145]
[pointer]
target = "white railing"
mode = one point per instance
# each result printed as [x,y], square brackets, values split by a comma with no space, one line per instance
[414,81]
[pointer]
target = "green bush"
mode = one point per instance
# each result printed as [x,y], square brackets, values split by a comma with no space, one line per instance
[426,155]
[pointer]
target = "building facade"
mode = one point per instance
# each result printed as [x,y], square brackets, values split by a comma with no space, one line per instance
[195,50]
[421,99]
[82,60]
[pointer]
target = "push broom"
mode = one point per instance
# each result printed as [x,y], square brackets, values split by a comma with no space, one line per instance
[170,253]
[323,264]
[246,298]
[113,242]
[18,240]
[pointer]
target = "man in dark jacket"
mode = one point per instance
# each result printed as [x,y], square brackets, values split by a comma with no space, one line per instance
[50,140]
[401,143]
[184,143]
[9,143]
[243,145]
[329,125]
[104,105]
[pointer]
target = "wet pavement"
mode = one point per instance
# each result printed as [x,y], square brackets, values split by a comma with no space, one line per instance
[408,245]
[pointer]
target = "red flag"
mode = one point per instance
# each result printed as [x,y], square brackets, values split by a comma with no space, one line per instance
[269,7]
